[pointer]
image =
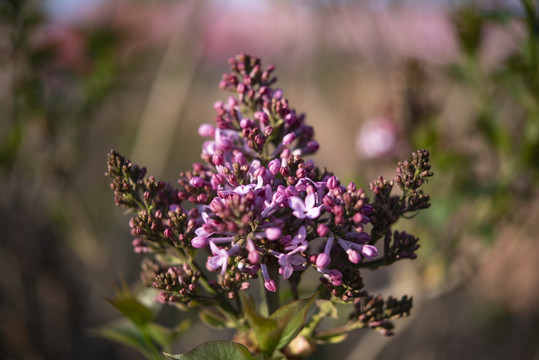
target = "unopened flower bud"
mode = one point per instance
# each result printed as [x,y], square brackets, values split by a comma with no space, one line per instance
[322,260]
[196,182]
[240,158]
[288,138]
[261,171]
[217,159]
[206,130]
[358,217]
[268,130]
[312,146]
[332,182]
[273,233]
[274,166]
[270,285]
[322,230]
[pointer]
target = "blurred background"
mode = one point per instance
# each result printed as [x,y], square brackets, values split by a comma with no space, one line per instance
[377,79]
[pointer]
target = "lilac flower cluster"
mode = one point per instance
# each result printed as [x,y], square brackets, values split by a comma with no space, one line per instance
[260,204]
[254,206]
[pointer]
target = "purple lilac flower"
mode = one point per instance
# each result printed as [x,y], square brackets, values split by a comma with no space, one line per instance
[307,209]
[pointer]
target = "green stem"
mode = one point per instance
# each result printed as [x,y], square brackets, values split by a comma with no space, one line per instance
[339,330]
[533,27]
[224,305]
[315,321]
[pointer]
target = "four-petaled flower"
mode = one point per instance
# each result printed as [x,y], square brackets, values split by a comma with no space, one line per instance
[219,260]
[307,209]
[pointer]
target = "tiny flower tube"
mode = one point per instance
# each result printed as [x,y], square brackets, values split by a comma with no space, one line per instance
[269,283]
[196,182]
[253,256]
[368,251]
[323,259]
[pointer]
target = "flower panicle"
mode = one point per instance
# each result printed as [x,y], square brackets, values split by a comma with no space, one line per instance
[256,207]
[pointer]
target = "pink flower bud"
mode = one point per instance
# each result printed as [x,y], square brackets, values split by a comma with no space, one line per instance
[358,217]
[369,251]
[199,242]
[268,130]
[245,285]
[353,256]
[270,285]
[206,130]
[322,230]
[285,154]
[288,138]
[312,146]
[322,260]
[274,166]
[262,117]
[232,102]
[261,171]
[277,93]
[168,233]
[216,205]
[290,118]
[217,159]
[245,123]
[273,233]
[196,181]
[240,158]
[332,182]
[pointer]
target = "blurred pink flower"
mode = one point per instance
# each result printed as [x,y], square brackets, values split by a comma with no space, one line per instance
[376,138]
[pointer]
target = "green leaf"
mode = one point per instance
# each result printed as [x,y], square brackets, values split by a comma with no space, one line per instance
[165,336]
[212,350]
[132,309]
[125,332]
[292,317]
[268,332]
[212,319]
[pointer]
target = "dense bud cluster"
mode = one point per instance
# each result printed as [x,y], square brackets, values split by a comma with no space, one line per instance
[256,207]
[179,283]
[376,313]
